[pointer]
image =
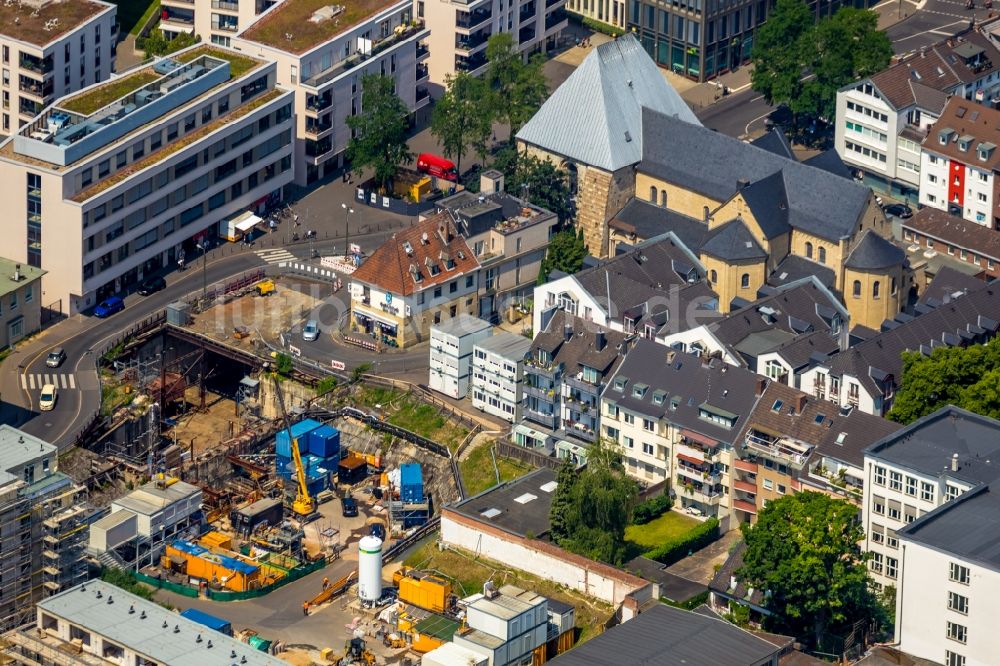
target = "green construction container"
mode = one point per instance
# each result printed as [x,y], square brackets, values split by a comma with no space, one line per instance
[258,643]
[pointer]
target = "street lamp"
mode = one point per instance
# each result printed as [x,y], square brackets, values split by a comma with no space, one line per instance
[347,228]
[203,246]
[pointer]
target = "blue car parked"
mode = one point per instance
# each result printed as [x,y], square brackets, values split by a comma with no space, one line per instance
[109,306]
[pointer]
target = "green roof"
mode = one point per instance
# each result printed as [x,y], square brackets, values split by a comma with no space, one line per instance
[28,275]
[438,626]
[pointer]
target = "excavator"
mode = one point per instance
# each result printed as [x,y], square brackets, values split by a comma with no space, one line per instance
[304,505]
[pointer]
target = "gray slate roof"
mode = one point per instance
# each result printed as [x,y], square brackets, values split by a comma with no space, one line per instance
[819,202]
[799,351]
[733,242]
[581,349]
[647,220]
[830,162]
[683,380]
[775,141]
[669,636]
[966,527]
[947,285]
[874,253]
[595,116]
[794,267]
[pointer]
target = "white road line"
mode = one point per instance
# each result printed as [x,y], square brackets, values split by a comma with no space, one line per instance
[930,31]
[72,382]
[63,382]
[24,382]
[31,382]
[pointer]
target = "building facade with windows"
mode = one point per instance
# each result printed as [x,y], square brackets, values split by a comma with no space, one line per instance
[959,162]
[322,53]
[20,301]
[497,372]
[450,360]
[968,242]
[120,179]
[51,49]
[912,472]
[459,31]
[882,121]
[419,277]
[949,587]
[215,21]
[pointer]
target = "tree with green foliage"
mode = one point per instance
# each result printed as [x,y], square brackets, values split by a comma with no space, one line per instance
[834,52]
[461,117]
[777,51]
[517,88]
[380,129]
[538,181]
[590,518]
[562,513]
[804,552]
[283,365]
[157,45]
[968,377]
[566,253]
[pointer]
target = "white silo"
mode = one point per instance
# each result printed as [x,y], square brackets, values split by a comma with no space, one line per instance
[370,569]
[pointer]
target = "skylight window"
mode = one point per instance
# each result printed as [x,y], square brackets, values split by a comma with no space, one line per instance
[489,514]
[776,407]
[819,418]
[549,487]
[525,498]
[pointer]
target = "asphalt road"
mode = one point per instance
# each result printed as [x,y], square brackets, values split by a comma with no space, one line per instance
[932,22]
[737,115]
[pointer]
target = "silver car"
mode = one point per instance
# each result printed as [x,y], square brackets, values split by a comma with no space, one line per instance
[310,331]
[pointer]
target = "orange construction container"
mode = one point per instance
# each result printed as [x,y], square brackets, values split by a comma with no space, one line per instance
[216,541]
[424,591]
[230,572]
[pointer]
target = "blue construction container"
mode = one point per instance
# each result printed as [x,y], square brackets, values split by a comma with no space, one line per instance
[283,465]
[210,621]
[411,483]
[317,483]
[325,442]
[300,431]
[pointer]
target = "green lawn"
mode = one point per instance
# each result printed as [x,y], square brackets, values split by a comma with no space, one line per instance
[644,538]
[408,412]
[478,473]
[133,13]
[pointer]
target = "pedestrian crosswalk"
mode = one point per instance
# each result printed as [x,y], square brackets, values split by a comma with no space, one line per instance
[275,256]
[36,380]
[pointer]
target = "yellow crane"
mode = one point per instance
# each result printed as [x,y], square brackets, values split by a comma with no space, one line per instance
[304,505]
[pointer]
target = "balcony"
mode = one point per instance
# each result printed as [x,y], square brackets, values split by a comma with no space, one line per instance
[402,34]
[549,421]
[782,449]
[555,18]
[183,18]
[472,42]
[579,430]
[698,475]
[745,486]
[472,20]
[28,108]
[226,5]
[470,63]
[581,406]
[548,395]
[226,27]
[745,507]
[316,127]
[35,88]
[745,466]
[422,72]
[317,103]
[550,371]
[422,51]
[422,93]
[38,65]
[579,383]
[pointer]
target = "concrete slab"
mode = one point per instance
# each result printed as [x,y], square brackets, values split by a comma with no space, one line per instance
[700,567]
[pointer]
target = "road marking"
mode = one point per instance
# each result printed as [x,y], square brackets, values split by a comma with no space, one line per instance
[31,382]
[72,381]
[275,256]
[929,31]
[24,382]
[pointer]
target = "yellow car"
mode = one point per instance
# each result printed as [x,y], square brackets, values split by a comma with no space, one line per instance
[47,400]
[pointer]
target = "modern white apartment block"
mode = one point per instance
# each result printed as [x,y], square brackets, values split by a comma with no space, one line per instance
[215,21]
[49,49]
[118,180]
[497,373]
[459,30]
[882,120]
[916,470]
[959,163]
[322,52]
[949,593]
[450,359]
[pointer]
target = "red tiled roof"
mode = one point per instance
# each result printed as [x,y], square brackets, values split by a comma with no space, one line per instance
[419,251]
[966,118]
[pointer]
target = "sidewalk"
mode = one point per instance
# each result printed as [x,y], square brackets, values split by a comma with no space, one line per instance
[700,95]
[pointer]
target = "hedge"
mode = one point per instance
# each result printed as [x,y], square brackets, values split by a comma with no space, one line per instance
[597,26]
[677,549]
[651,509]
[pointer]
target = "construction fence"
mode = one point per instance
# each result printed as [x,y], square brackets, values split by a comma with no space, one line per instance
[293,575]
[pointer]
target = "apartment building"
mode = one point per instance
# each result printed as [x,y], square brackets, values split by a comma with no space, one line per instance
[678,416]
[43,514]
[215,21]
[508,236]
[50,49]
[914,471]
[959,163]
[322,52]
[610,12]
[883,120]
[866,375]
[566,372]
[793,442]
[450,362]
[933,230]
[459,31]
[702,39]
[20,301]
[497,372]
[419,277]
[99,194]
[949,582]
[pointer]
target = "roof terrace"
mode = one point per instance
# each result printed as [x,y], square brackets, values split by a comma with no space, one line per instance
[296,26]
[41,22]
[87,121]
[778,447]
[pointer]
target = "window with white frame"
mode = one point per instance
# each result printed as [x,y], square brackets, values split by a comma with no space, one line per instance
[895,480]
[648,425]
[952,659]
[891,566]
[958,573]
[876,562]
[877,533]
[647,448]
[878,505]
[957,632]
[926,491]
[911,486]
[879,475]
[958,603]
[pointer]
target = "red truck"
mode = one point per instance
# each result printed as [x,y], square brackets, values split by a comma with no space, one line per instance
[436,166]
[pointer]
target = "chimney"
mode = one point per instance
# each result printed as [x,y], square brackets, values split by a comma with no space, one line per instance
[670,356]
[742,183]
[800,403]
[568,332]
[954,462]
[600,340]
[17,272]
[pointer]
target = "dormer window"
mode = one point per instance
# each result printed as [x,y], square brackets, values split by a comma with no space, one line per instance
[944,136]
[964,142]
[984,151]
[659,397]
[432,267]
[639,390]
[415,274]
[619,384]
[448,262]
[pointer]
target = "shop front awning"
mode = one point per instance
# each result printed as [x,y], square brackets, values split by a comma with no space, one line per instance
[248,223]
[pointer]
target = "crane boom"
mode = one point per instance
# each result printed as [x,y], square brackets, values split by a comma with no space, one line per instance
[303,504]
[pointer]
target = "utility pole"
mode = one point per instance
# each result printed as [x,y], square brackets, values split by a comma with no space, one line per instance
[347,229]
[203,246]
